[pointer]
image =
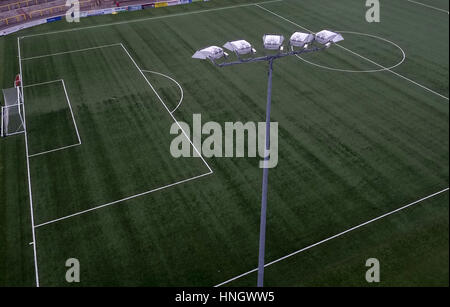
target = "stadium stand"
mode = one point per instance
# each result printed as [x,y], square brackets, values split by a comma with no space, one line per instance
[9,5]
[16,12]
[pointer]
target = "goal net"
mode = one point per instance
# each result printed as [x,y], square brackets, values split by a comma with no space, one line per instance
[12,111]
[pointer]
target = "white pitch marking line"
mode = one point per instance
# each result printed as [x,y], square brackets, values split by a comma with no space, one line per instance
[73,119]
[53,150]
[429,6]
[395,73]
[136,195]
[15,133]
[72,51]
[357,54]
[151,18]
[42,83]
[71,111]
[336,236]
[121,200]
[361,71]
[165,106]
[31,243]
[30,195]
[175,81]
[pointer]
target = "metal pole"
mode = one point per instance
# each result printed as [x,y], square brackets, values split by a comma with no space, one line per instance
[262,229]
[269,59]
[2,123]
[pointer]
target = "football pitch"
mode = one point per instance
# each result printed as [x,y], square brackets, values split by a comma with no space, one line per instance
[363,167]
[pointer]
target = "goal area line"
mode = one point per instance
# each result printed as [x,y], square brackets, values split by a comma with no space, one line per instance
[71,113]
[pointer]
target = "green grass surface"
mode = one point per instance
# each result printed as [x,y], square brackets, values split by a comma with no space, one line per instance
[352,146]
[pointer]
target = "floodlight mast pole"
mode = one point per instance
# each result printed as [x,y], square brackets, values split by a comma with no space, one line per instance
[265,181]
[326,38]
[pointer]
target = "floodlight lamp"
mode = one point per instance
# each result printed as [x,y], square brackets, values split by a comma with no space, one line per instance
[299,39]
[324,37]
[240,47]
[212,52]
[273,42]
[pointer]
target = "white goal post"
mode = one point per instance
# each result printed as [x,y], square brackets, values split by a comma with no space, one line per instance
[12,121]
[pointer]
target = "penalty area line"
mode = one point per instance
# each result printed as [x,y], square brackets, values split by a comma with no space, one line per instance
[69,52]
[121,200]
[167,109]
[336,236]
[210,171]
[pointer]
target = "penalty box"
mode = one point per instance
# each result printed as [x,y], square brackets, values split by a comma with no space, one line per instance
[125,127]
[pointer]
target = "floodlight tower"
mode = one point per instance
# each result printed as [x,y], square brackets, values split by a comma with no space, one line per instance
[299,43]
